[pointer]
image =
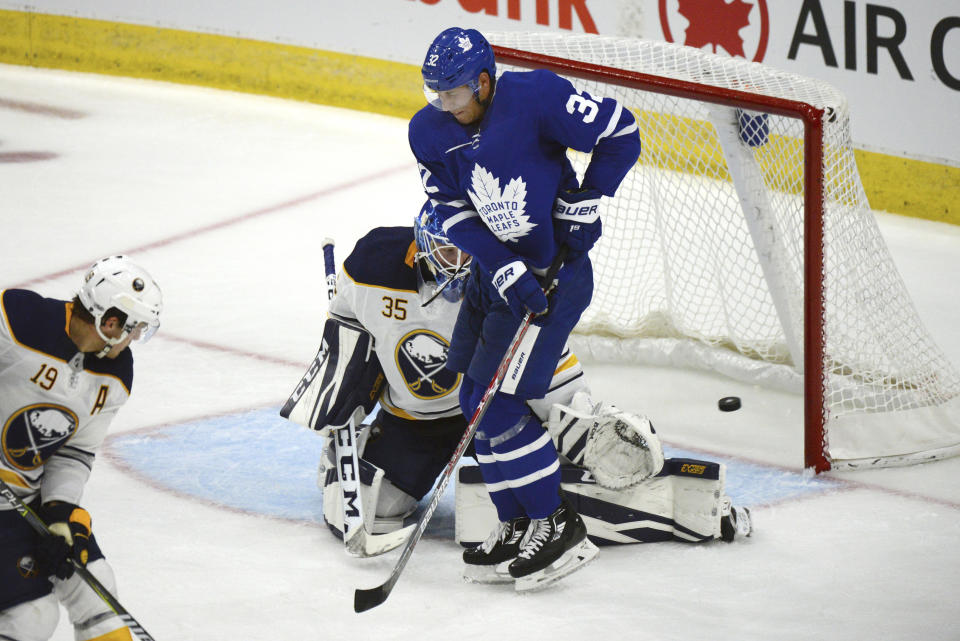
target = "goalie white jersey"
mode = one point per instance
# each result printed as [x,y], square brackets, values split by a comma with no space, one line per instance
[378,287]
[56,403]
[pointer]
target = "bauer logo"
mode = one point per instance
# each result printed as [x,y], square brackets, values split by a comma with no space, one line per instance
[34,433]
[421,358]
[737,28]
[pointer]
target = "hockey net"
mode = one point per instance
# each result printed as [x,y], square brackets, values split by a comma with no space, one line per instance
[742,242]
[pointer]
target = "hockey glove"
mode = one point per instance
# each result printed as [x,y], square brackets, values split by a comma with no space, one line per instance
[519,288]
[576,219]
[69,525]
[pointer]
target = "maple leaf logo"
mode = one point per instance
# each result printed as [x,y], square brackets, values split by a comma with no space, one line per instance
[501,211]
[716,23]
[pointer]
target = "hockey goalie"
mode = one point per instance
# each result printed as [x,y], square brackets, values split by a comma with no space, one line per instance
[384,347]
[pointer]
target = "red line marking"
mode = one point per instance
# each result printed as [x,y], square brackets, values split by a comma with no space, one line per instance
[236,352]
[26,156]
[41,110]
[272,209]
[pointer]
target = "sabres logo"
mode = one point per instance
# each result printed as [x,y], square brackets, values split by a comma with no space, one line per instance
[35,432]
[421,357]
[27,567]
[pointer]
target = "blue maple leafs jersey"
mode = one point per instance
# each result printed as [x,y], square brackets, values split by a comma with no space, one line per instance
[494,184]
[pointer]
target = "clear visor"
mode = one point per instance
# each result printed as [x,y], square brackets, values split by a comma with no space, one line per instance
[450,99]
[140,332]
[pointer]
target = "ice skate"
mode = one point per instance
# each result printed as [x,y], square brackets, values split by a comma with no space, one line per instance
[735,522]
[551,549]
[487,562]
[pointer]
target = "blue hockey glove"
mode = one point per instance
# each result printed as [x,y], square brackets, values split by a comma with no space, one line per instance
[519,288]
[69,525]
[576,219]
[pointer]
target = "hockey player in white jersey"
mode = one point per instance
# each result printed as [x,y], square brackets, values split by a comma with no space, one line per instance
[398,296]
[65,371]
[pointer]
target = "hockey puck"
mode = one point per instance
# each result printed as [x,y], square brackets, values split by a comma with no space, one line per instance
[729,403]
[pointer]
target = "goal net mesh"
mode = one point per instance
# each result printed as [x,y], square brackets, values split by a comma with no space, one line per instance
[701,262]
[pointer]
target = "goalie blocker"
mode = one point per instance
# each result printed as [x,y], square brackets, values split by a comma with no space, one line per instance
[343,382]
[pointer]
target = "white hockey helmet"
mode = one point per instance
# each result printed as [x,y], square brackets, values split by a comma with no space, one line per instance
[118,282]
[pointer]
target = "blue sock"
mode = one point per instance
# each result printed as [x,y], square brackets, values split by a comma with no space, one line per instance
[508,507]
[528,462]
[517,459]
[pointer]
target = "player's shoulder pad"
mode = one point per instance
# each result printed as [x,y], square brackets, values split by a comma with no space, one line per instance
[534,81]
[38,323]
[120,367]
[429,132]
[384,258]
[41,324]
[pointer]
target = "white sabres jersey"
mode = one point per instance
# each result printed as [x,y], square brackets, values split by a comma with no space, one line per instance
[55,403]
[378,286]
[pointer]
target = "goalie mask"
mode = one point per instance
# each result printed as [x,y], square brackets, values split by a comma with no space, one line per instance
[449,265]
[118,283]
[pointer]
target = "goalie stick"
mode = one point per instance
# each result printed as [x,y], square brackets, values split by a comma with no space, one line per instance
[37,524]
[356,540]
[365,599]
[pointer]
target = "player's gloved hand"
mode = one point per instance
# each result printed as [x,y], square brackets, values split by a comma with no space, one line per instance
[519,288]
[576,219]
[69,539]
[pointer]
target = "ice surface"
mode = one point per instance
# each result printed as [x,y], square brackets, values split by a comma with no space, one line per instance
[205,501]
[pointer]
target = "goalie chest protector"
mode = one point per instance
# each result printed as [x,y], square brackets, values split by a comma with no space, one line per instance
[378,286]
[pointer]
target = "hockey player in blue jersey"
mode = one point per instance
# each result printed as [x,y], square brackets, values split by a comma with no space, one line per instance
[492,157]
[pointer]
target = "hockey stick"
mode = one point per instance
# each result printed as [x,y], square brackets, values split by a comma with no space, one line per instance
[365,599]
[356,540]
[37,524]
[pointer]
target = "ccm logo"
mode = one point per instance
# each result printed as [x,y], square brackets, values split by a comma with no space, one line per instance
[689,468]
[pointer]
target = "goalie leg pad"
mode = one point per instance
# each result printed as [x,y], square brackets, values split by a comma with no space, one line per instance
[343,382]
[370,480]
[619,448]
[682,503]
[385,505]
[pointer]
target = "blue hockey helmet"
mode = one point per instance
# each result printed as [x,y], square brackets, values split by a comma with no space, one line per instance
[447,262]
[456,58]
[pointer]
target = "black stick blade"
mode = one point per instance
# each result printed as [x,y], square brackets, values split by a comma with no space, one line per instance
[364,600]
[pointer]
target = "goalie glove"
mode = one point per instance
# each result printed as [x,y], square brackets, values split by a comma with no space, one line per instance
[69,538]
[576,219]
[620,449]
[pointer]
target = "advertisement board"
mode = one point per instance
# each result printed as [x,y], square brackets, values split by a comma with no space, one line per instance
[897,61]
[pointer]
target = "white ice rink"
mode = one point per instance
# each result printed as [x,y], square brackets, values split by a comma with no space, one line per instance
[204,499]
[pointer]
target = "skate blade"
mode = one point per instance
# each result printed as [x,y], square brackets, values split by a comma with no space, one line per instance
[488,574]
[571,561]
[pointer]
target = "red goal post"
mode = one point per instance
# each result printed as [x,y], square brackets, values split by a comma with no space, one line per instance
[780,177]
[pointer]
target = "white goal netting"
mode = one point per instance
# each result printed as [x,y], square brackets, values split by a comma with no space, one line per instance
[702,258]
